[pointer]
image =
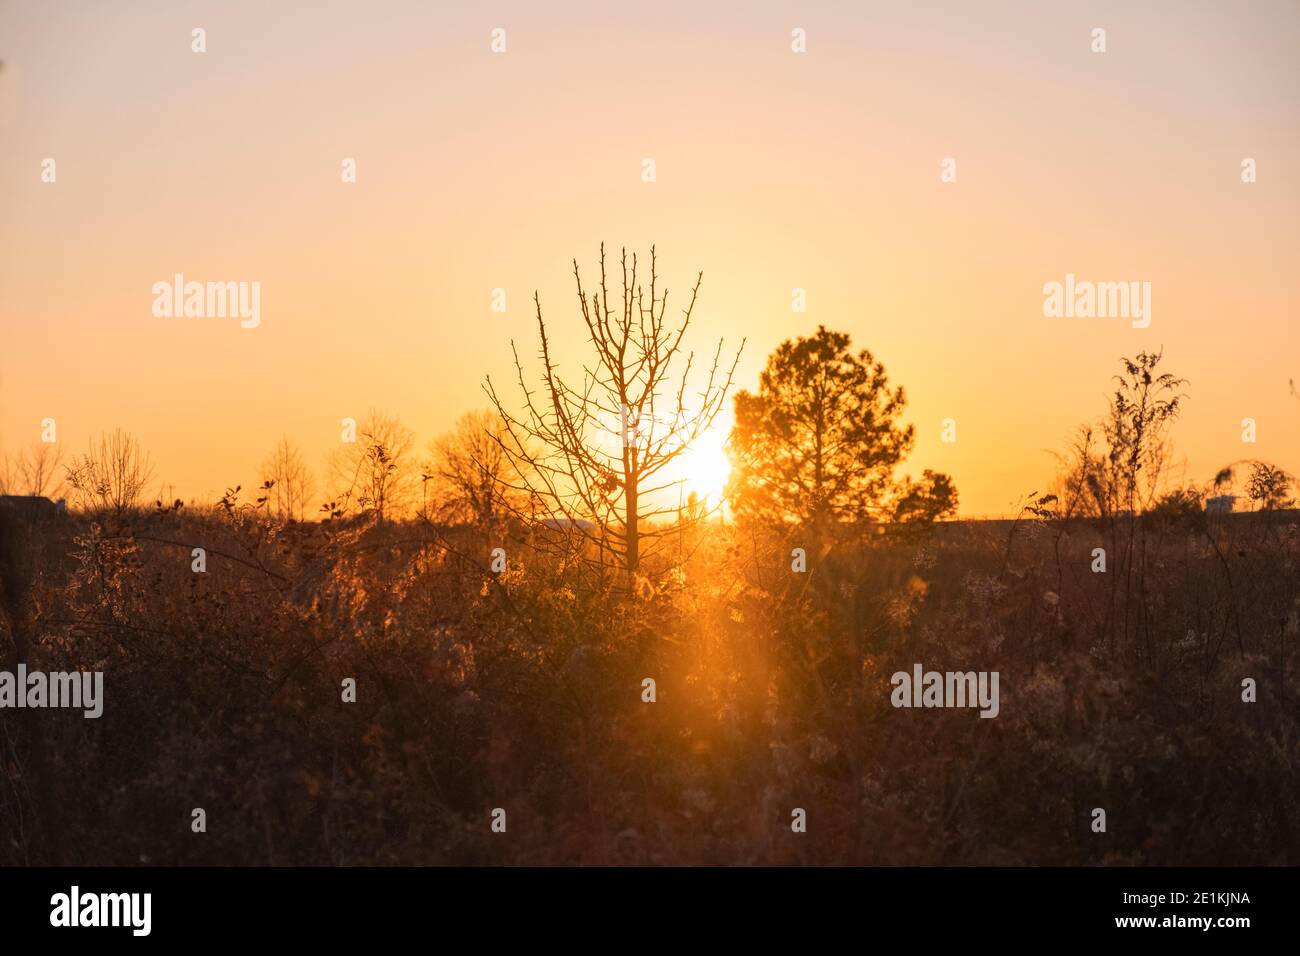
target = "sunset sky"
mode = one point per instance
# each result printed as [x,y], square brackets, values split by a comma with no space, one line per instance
[775,170]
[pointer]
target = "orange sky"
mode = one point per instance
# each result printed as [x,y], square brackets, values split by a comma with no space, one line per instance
[774,170]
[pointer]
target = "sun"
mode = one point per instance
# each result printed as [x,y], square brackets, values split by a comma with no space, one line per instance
[705,468]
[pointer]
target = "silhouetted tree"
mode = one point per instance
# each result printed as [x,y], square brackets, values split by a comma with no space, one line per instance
[818,443]
[472,478]
[602,445]
[925,501]
[291,482]
[375,473]
[34,471]
[110,477]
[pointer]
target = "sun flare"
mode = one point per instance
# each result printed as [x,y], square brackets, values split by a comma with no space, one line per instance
[705,468]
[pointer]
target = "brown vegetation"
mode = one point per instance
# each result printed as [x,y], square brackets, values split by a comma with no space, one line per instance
[523,691]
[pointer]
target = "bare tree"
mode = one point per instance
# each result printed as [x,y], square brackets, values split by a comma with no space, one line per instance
[375,473]
[604,443]
[469,477]
[291,482]
[111,475]
[43,470]
[34,471]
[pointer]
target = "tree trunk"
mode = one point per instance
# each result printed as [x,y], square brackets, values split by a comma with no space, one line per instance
[632,532]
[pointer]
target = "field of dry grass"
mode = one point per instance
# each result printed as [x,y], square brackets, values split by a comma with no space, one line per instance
[523,691]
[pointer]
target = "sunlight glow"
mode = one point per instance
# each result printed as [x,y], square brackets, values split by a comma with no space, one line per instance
[705,467]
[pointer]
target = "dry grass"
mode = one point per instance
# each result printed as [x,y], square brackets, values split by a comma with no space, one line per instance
[523,691]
